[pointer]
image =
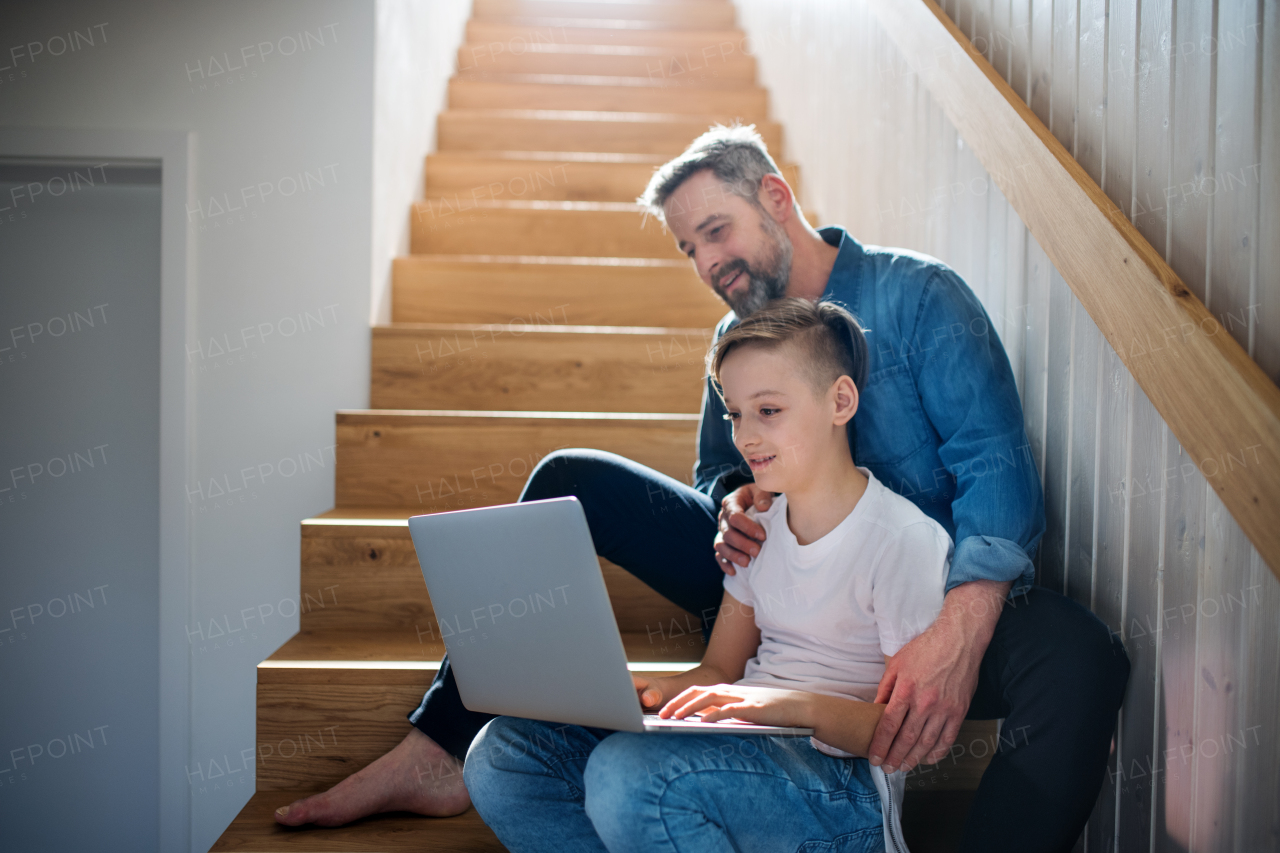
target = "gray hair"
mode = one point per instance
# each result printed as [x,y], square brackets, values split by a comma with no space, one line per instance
[736,155]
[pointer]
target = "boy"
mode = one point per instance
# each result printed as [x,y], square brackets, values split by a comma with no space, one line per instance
[848,574]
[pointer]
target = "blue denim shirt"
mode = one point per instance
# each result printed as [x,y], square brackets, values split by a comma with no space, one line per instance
[939,420]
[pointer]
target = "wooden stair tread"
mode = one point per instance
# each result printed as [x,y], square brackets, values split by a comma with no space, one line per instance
[553,156]
[404,650]
[458,225]
[254,830]
[391,518]
[408,416]
[409,329]
[931,821]
[610,116]
[719,62]
[711,85]
[541,206]
[465,176]
[603,261]
[513,36]
[609,94]
[630,25]
[583,130]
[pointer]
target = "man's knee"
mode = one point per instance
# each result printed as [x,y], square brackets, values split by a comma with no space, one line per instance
[575,471]
[1088,659]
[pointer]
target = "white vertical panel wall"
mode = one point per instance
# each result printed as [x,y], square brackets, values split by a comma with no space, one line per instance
[1171,106]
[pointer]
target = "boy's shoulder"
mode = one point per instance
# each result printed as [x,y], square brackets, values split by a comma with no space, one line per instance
[767,518]
[895,514]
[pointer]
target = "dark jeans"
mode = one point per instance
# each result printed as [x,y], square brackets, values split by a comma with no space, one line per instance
[1053,671]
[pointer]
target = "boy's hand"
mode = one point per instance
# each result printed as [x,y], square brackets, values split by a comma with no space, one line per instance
[765,705]
[739,537]
[648,691]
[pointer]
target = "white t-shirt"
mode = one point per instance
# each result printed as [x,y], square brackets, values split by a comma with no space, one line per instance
[828,612]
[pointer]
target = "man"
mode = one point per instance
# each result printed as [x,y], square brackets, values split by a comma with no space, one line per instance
[942,426]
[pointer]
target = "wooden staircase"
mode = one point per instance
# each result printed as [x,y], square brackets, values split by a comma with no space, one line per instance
[537,311]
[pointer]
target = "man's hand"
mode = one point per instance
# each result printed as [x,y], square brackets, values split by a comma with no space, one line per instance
[739,538]
[648,690]
[765,705]
[929,683]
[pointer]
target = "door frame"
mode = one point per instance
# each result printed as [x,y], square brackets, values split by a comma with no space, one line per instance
[174,151]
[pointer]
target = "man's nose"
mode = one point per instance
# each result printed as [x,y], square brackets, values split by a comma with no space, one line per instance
[709,263]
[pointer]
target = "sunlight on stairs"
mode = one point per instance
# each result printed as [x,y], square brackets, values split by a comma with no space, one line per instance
[536,311]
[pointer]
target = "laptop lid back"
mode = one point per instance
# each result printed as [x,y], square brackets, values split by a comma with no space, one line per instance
[525,615]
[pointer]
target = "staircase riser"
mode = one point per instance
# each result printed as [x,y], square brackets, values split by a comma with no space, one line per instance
[694,15]
[502,368]
[715,62]
[439,227]
[428,291]
[751,104]
[315,728]
[465,181]
[375,584]
[463,463]
[469,131]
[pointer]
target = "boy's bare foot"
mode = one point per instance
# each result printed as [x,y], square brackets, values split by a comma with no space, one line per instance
[417,776]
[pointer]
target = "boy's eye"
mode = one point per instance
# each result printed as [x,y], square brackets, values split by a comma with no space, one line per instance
[767,411]
[731,416]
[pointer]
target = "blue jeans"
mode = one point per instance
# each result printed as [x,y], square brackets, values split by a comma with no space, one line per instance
[565,789]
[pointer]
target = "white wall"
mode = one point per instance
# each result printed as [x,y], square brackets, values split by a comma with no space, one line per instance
[281,265]
[417,45]
[1134,530]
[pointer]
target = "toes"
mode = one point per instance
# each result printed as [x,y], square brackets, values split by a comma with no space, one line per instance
[293,814]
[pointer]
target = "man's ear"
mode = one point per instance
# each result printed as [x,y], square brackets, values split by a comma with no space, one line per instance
[776,198]
[846,400]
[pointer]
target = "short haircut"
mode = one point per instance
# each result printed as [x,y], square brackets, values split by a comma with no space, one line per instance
[825,334]
[736,155]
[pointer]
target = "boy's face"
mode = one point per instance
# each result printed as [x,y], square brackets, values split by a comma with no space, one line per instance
[784,428]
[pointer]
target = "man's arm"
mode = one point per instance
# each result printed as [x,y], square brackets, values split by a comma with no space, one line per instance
[968,392]
[719,468]
[929,683]
[734,641]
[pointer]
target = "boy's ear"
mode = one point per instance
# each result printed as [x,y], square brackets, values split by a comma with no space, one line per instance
[846,400]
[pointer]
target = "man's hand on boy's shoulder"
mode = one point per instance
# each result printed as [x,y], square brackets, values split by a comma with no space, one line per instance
[740,537]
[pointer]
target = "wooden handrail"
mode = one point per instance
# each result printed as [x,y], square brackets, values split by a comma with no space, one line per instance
[1219,404]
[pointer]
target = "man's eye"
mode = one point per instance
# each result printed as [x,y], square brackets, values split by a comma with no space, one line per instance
[731,416]
[767,411]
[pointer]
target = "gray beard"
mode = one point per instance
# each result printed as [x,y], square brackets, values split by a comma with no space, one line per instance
[767,283]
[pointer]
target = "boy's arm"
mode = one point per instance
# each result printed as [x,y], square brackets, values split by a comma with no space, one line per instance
[846,723]
[734,641]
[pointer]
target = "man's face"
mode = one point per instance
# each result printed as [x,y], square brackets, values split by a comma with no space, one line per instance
[737,248]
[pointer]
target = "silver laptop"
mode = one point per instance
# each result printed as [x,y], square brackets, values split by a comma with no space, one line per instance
[525,616]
